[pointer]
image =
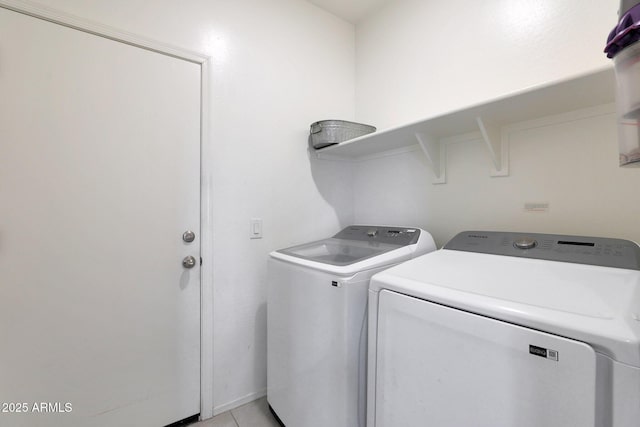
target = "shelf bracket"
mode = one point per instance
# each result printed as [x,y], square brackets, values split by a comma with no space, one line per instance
[435,154]
[497,146]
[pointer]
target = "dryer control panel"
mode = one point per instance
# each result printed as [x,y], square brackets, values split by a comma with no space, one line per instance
[599,251]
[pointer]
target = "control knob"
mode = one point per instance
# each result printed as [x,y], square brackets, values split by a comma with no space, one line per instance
[525,243]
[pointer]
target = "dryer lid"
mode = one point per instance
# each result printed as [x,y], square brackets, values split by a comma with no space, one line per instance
[594,304]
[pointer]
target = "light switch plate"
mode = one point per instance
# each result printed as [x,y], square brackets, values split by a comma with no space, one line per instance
[255,228]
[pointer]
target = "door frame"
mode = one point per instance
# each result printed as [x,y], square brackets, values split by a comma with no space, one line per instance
[206,176]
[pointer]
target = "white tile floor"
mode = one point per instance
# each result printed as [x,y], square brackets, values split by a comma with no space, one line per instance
[253,414]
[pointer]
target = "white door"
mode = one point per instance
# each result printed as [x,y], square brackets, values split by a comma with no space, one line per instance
[99,178]
[445,367]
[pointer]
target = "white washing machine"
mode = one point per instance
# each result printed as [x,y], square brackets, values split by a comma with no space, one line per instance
[316,325]
[508,330]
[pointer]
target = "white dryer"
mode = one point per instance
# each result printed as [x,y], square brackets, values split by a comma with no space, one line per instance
[508,330]
[316,328]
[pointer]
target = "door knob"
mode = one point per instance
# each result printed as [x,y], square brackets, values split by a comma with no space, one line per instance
[189,262]
[188,236]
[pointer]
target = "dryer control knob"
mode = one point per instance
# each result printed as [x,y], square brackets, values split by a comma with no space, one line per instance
[372,233]
[525,243]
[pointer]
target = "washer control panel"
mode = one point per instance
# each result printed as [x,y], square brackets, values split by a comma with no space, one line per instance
[381,234]
[600,251]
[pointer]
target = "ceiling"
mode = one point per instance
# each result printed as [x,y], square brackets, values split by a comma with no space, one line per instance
[350,10]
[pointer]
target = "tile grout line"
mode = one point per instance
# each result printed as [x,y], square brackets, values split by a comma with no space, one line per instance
[234,418]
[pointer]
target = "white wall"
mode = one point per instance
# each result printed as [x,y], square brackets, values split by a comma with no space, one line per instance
[417,59]
[278,66]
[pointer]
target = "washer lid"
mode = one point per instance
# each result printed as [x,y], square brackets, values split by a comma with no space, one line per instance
[359,248]
[354,244]
[337,251]
[594,304]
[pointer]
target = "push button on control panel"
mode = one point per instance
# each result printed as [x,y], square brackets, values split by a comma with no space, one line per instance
[525,243]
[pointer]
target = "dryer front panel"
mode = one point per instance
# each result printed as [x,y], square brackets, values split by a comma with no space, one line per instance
[440,366]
